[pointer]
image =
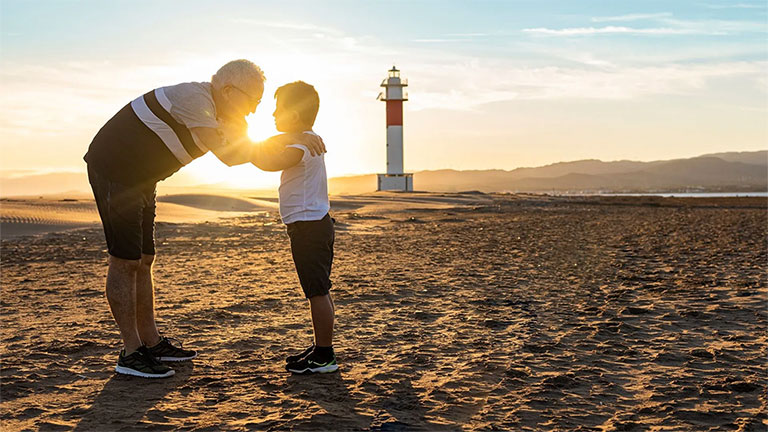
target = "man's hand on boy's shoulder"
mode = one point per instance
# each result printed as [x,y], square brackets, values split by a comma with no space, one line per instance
[312,142]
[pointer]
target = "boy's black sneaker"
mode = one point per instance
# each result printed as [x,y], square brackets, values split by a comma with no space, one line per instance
[297,357]
[141,363]
[166,351]
[312,364]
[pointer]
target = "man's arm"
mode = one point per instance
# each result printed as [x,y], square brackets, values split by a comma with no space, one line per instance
[231,152]
[230,143]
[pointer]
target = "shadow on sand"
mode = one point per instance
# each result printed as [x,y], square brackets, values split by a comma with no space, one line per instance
[397,408]
[109,409]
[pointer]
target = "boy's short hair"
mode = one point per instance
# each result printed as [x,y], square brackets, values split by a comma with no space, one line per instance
[302,98]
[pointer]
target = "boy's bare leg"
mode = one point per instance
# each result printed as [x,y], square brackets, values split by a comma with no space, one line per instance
[322,319]
[145,302]
[121,295]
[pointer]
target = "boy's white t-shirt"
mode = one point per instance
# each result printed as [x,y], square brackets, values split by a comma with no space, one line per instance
[304,188]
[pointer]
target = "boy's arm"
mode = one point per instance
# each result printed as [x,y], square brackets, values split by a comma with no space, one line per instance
[268,156]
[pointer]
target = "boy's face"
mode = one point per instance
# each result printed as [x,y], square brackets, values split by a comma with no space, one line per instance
[286,120]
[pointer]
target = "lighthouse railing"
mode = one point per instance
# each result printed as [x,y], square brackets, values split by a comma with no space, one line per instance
[403,83]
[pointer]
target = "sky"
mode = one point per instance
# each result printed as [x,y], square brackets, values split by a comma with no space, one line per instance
[492,84]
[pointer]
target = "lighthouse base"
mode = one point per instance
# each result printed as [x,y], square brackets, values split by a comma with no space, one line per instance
[396,182]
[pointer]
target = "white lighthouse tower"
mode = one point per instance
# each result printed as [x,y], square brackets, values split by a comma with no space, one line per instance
[394,95]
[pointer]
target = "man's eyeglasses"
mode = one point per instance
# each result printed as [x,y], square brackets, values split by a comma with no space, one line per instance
[251,99]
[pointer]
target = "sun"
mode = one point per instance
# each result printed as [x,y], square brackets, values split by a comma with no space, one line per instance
[261,124]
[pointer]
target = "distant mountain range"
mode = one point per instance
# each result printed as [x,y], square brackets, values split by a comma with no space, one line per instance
[44,184]
[717,172]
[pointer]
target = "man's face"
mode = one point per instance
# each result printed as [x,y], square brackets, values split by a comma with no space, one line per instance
[286,120]
[243,101]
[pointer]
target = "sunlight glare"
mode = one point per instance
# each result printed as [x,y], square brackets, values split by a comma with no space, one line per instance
[349,151]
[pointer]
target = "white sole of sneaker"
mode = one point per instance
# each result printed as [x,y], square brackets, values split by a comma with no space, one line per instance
[176,359]
[134,372]
[324,369]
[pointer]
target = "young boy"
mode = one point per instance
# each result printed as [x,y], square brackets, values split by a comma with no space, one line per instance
[304,210]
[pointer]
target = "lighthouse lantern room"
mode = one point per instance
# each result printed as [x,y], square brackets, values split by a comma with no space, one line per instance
[394,95]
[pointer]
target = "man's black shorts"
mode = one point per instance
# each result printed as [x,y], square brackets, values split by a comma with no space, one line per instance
[312,250]
[127,214]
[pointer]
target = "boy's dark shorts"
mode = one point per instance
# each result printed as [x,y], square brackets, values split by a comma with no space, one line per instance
[127,214]
[312,250]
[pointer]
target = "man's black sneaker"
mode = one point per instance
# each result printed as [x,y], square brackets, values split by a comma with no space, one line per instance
[141,363]
[311,364]
[166,351]
[297,357]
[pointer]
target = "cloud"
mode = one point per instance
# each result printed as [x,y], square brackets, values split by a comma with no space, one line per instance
[762,84]
[736,6]
[468,35]
[609,56]
[670,26]
[717,27]
[453,37]
[469,84]
[437,40]
[632,17]
[289,26]
[36,98]
[581,31]
[588,59]
[300,37]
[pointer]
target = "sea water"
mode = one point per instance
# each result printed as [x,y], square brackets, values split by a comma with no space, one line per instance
[691,194]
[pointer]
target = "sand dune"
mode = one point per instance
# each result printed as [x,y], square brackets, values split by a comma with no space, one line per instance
[19,217]
[485,312]
[30,217]
[219,203]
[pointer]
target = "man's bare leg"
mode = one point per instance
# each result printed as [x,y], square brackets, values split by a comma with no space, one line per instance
[145,302]
[322,311]
[121,295]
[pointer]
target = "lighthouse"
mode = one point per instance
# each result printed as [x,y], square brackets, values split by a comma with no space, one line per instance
[394,95]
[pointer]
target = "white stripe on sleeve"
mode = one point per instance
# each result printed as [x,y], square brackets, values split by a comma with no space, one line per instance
[167,105]
[166,134]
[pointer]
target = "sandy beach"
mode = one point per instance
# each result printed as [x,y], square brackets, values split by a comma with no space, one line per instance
[454,312]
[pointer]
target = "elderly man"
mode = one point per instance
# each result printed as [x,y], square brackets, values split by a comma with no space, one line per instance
[145,142]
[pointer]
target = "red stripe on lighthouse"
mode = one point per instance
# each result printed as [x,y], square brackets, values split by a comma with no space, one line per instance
[394,113]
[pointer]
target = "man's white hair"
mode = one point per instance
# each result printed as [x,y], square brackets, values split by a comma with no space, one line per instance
[239,73]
